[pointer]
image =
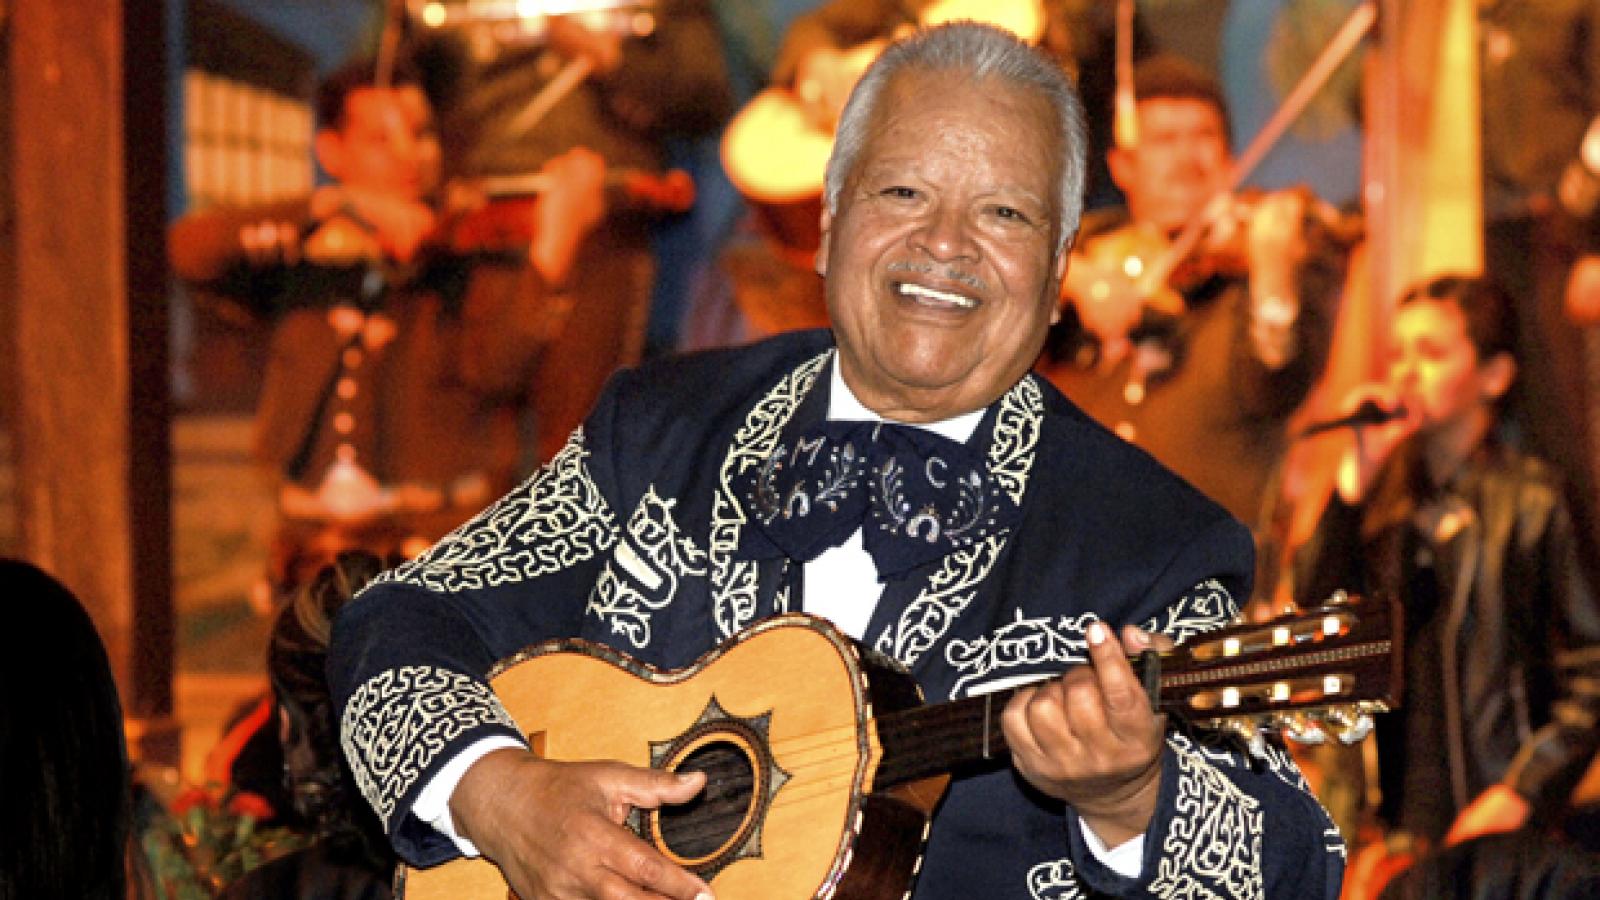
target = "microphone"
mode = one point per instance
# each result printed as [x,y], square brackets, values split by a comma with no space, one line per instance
[1368,413]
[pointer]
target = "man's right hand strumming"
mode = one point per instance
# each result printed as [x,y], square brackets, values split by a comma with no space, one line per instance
[556,829]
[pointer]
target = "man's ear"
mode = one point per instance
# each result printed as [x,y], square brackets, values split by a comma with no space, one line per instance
[329,150]
[1496,375]
[821,264]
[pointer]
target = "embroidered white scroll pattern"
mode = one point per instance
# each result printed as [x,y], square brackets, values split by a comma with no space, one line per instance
[1016,433]
[949,591]
[1054,880]
[400,721]
[1024,642]
[1212,848]
[733,582]
[657,554]
[1225,749]
[556,519]
[1207,606]
[1333,842]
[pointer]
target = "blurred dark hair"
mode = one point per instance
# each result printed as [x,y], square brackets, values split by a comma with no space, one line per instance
[65,803]
[1490,324]
[352,76]
[1171,77]
[319,780]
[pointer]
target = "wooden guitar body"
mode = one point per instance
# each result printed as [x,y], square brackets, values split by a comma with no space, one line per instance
[781,720]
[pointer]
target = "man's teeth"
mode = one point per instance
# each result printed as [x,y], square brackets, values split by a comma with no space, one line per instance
[917,290]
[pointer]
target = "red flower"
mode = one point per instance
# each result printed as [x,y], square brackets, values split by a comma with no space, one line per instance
[246,803]
[192,797]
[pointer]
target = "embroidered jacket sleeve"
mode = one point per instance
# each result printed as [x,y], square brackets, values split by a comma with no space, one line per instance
[408,659]
[1231,820]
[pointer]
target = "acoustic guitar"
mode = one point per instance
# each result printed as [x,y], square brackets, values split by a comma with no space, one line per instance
[823,766]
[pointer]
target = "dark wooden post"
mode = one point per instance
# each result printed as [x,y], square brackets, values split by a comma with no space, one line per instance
[82,270]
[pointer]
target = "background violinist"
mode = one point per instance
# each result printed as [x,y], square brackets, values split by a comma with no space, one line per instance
[398,371]
[1206,378]
[650,74]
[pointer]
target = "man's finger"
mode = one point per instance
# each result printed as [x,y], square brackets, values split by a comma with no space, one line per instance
[650,788]
[640,866]
[1014,722]
[615,882]
[1136,640]
[1119,687]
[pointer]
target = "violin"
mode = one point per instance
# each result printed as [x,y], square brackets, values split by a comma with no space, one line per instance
[1119,278]
[493,215]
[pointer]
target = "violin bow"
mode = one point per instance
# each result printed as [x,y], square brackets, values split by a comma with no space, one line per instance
[389,43]
[571,75]
[1125,118]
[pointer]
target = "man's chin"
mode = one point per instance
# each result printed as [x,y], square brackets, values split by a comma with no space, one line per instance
[938,392]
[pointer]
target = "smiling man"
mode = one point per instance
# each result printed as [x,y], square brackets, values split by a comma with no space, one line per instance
[903,477]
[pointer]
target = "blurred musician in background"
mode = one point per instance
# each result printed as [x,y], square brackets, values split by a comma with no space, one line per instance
[1203,370]
[399,366]
[1500,714]
[623,79]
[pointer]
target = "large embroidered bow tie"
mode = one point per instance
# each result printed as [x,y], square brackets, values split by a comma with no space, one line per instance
[915,495]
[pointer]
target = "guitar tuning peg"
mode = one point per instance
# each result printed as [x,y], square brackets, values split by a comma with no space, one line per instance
[1349,724]
[1302,729]
[1355,728]
[1245,728]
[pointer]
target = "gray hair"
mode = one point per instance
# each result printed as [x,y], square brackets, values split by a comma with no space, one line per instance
[981,51]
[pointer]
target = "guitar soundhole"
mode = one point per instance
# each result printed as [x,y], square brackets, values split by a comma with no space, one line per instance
[705,825]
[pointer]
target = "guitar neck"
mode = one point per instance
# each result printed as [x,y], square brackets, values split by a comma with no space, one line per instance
[1340,655]
[929,740]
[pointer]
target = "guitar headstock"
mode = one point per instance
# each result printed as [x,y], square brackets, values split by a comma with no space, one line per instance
[1302,673]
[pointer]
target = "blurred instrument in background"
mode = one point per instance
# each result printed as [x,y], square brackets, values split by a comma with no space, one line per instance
[517,23]
[494,215]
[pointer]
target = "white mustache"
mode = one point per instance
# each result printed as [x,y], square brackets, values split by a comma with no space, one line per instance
[948,273]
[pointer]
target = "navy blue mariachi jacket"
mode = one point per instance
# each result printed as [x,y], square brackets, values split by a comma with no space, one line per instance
[630,537]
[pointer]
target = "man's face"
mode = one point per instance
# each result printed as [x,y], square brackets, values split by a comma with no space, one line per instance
[940,262]
[386,144]
[1434,368]
[1181,160]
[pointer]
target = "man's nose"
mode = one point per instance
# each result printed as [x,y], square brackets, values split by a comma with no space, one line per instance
[1403,373]
[945,235]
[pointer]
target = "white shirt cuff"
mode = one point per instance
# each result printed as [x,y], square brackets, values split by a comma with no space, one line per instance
[1126,860]
[433,804]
